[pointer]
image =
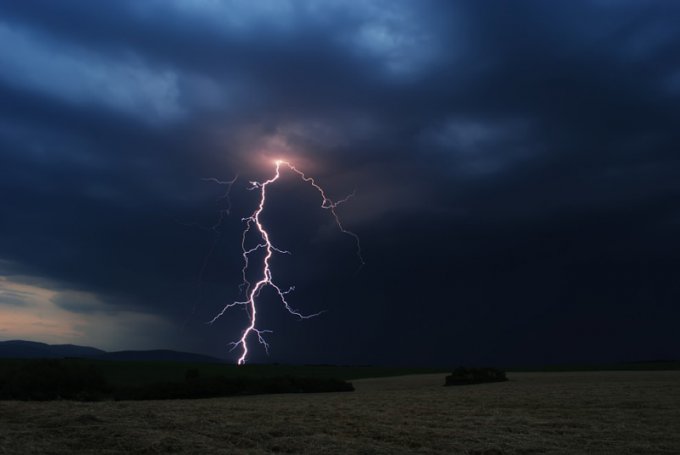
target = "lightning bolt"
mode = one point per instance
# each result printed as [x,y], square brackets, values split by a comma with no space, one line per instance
[253,224]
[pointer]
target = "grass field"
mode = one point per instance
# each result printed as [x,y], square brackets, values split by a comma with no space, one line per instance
[581,412]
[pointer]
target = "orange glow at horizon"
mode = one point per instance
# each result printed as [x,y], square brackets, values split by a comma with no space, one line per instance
[37,315]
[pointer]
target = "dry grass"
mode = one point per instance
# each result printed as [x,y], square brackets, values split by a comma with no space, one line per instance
[586,412]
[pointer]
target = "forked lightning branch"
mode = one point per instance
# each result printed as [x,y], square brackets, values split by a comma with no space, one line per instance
[254,227]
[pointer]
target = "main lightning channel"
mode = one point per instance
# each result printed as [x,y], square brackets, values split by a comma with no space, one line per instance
[252,291]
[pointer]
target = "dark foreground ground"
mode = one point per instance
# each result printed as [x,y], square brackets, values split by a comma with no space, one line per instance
[583,412]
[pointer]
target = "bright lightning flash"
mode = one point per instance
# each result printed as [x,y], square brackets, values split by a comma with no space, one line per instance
[252,291]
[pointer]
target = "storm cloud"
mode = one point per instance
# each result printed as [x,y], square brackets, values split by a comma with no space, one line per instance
[516,169]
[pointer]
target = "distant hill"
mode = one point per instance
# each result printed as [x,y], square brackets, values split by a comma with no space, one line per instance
[159,354]
[32,350]
[20,349]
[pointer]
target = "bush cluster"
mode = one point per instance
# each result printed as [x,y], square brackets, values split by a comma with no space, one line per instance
[53,380]
[61,379]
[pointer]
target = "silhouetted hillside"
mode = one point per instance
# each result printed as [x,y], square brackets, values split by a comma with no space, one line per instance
[158,354]
[20,349]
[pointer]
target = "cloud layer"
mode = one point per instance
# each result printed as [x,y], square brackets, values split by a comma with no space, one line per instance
[516,168]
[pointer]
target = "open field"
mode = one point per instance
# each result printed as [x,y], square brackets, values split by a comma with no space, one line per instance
[583,412]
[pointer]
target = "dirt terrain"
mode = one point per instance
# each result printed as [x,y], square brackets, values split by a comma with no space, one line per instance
[585,412]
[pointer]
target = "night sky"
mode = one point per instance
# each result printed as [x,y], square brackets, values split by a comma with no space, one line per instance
[516,168]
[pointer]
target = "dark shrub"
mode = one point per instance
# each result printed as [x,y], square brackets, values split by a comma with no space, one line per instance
[463,376]
[52,380]
[79,380]
[192,374]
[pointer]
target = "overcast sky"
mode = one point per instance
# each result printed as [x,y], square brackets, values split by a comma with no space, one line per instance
[516,168]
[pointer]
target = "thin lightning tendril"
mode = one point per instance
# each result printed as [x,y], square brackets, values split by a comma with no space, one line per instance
[229,184]
[252,291]
[216,230]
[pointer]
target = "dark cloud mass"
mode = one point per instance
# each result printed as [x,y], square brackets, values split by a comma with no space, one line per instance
[516,167]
